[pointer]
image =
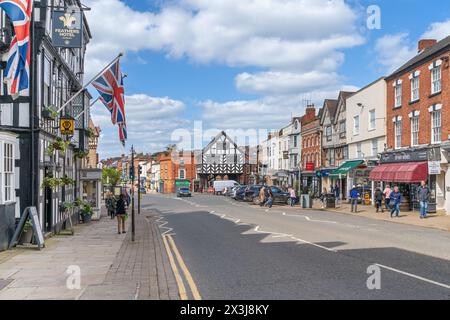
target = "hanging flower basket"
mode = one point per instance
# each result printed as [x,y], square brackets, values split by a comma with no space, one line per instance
[50,182]
[66,181]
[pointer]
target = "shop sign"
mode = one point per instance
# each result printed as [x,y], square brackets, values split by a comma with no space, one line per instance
[67,29]
[67,126]
[414,155]
[434,167]
[310,166]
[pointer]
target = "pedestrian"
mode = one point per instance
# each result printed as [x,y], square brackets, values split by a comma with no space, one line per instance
[387,197]
[110,203]
[269,201]
[262,196]
[423,196]
[322,197]
[337,193]
[354,197]
[379,200]
[293,196]
[395,201]
[121,213]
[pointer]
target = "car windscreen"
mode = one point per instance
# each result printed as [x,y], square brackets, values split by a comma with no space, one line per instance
[184,189]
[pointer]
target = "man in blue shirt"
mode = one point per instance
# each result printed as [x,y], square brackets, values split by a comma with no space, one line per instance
[396,200]
[354,196]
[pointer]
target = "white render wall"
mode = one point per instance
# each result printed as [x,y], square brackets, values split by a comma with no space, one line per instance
[372,97]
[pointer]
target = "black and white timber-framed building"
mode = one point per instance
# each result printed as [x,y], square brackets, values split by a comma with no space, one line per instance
[26,130]
[222,159]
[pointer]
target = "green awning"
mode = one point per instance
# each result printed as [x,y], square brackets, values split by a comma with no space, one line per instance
[346,168]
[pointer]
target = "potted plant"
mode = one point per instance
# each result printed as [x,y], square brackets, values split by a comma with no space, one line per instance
[66,181]
[27,233]
[81,154]
[86,212]
[50,182]
[50,113]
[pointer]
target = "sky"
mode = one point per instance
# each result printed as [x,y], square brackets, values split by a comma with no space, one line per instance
[244,64]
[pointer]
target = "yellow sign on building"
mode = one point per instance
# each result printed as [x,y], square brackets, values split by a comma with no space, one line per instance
[67,126]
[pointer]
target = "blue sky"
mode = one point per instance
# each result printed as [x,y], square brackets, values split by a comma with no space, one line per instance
[245,64]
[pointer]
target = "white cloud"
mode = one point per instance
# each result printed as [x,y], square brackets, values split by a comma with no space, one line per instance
[277,35]
[150,121]
[438,31]
[394,50]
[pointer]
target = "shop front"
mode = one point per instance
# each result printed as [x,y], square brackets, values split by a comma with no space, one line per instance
[407,169]
[310,181]
[345,176]
[91,180]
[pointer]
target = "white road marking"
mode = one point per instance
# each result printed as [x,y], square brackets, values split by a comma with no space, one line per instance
[414,276]
[314,244]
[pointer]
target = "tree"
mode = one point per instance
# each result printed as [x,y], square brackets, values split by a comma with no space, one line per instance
[111,176]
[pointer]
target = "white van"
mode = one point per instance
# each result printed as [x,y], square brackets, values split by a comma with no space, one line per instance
[219,186]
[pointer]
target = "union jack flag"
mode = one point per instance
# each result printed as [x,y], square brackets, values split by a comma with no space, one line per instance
[17,72]
[123,133]
[110,87]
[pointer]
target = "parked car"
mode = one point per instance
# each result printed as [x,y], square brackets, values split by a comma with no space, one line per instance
[220,186]
[184,192]
[251,192]
[279,196]
[239,193]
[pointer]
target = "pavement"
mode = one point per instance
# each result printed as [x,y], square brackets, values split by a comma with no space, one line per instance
[237,251]
[438,220]
[110,265]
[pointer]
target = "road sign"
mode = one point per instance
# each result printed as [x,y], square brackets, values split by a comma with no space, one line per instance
[67,126]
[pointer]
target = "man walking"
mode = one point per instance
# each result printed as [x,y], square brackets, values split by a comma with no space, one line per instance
[354,197]
[262,196]
[423,195]
[337,193]
[396,200]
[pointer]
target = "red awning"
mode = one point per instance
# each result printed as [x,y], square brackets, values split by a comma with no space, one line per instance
[400,172]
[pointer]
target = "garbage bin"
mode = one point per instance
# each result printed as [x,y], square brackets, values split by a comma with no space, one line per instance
[330,201]
[306,201]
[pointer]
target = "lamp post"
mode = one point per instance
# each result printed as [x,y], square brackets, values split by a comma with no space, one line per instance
[132,195]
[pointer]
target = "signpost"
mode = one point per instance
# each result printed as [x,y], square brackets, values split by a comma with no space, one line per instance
[29,213]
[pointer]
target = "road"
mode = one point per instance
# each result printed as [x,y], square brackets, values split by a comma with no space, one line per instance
[231,250]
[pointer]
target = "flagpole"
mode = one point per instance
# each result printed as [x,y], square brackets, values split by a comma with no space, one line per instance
[87,84]
[92,103]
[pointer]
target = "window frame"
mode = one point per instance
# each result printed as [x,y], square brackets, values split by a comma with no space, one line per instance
[415,124]
[433,81]
[398,133]
[398,92]
[415,90]
[6,139]
[372,122]
[356,128]
[433,127]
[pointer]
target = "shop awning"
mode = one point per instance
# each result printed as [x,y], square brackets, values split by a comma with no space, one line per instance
[407,172]
[346,168]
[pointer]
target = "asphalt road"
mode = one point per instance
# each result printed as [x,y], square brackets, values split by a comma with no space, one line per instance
[236,251]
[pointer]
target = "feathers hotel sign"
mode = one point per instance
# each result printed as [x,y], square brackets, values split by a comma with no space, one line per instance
[67,29]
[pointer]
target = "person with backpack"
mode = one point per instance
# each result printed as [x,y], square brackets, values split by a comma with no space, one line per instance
[121,213]
[395,201]
[423,196]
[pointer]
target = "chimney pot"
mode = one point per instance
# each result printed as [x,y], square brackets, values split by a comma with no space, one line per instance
[426,43]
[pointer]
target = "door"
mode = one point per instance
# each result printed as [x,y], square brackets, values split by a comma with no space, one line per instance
[48,205]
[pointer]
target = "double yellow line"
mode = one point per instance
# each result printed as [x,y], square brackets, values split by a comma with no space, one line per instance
[171,247]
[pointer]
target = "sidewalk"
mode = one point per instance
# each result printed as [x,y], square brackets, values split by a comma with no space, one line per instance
[112,267]
[439,220]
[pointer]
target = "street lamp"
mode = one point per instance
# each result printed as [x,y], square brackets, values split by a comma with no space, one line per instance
[132,195]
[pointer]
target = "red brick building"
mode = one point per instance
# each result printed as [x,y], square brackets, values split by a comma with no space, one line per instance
[311,149]
[418,123]
[177,170]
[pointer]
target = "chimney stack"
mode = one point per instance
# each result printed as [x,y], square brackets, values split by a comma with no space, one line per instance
[426,43]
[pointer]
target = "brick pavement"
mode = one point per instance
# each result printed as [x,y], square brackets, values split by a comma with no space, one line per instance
[112,267]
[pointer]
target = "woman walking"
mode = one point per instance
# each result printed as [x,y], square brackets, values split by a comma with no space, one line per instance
[110,203]
[121,213]
[379,200]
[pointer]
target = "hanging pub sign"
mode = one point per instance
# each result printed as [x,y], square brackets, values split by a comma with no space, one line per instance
[67,126]
[67,29]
